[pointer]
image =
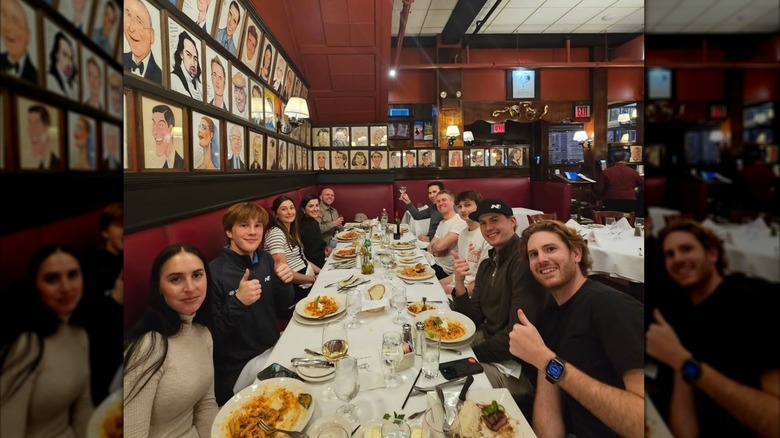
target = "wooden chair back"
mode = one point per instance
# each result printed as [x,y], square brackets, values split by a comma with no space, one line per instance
[599,216]
[669,218]
[533,218]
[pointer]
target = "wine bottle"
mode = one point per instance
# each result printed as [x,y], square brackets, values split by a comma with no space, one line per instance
[397,234]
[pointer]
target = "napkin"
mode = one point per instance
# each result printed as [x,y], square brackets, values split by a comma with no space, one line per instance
[623,224]
[571,223]
[309,271]
[369,304]
[370,374]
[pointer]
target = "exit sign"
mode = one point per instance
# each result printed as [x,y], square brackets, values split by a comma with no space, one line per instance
[718,111]
[581,111]
[497,128]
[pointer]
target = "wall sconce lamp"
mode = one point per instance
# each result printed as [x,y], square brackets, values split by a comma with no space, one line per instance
[452,133]
[582,138]
[468,138]
[296,110]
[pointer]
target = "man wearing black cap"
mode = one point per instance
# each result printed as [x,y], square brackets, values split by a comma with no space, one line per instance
[503,284]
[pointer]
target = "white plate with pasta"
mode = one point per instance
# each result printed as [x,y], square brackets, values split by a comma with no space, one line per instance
[452,327]
[107,419]
[320,307]
[280,402]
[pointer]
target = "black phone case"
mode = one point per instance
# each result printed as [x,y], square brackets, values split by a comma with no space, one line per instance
[277,370]
[460,368]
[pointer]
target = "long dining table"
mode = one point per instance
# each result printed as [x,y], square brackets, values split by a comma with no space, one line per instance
[374,399]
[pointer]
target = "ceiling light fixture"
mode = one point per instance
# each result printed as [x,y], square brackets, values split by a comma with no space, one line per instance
[392,72]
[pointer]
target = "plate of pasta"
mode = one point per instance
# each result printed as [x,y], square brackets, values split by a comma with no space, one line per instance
[416,272]
[349,236]
[320,307]
[281,402]
[107,421]
[451,327]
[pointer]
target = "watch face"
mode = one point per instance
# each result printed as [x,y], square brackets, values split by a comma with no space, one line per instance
[690,370]
[554,369]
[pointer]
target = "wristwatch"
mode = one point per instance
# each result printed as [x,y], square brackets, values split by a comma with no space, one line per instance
[555,369]
[691,370]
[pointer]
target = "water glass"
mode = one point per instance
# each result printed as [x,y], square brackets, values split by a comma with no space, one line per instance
[396,429]
[433,422]
[346,386]
[431,348]
[355,306]
[333,431]
[392,354]
[610,223]
[398,302]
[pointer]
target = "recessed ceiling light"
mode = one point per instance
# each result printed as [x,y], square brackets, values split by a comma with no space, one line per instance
[608,17]
[392,72]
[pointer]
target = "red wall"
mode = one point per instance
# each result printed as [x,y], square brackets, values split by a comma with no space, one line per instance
[484,85]
[699,85]
[760,85]
[565,84]
[412,86]
[625,84]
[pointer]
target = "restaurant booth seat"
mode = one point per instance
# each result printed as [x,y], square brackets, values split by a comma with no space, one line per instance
[205,230]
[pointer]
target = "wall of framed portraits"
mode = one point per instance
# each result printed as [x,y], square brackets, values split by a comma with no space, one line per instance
[60,104]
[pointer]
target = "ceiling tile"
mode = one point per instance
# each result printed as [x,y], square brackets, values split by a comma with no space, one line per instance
[500,28]
[560,3]
[334,11]
[512,16]
[580,15]
[524,3]
[443,4]
[630,3]
[546,15]
[595,3]
[617,14]
[531,28]
[591,28]
[436,18]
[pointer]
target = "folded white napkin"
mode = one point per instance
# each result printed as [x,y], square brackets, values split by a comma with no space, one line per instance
[509,368]
[369,304]
[708,223]
[370,374]
[623,224]
[429,258]
[758,224]
[571,223]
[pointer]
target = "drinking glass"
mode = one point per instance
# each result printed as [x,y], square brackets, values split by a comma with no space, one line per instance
[396,429]
[392,354]
[430,356]
[610,223]
[398,302]
[639,223]
[402,189]
[334,347]
[346,386]
[354,306]
[387,259]
[333,431]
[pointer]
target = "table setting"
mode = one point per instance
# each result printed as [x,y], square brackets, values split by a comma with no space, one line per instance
[617,249]
[752,248]
[373,318]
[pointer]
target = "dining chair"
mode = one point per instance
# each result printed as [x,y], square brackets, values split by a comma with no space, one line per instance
[669,218]
[599,216]
[533,218]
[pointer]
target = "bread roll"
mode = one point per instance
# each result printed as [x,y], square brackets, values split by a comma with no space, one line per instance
[376,292]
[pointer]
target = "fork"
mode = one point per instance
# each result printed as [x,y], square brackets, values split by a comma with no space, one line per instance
[270,430]
[416,282]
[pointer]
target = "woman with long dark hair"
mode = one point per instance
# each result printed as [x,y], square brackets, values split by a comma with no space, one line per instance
[168,364]
[314,247]
[283,242]
[44,353]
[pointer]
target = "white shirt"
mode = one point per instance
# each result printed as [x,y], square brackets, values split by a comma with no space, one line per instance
[456,225]
[176,85]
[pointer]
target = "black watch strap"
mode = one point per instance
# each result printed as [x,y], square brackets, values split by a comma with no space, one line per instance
[555,370]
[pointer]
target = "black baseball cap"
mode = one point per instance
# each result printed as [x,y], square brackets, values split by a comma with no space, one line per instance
[491,205]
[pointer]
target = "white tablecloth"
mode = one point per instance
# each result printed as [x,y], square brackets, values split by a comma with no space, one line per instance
[374,403]
[521,214]
[416,227]
[657,216]
[750,249]
[621,257]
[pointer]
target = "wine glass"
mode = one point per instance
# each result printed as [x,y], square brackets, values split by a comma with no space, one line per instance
[332,431]
[402,189]
[387,259]
[398,302]
[392,353]
[396,429]
[346,386]
[334,347]
[610,223]
[355,306]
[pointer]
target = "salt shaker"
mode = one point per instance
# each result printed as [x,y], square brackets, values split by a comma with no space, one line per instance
[418,340]
[407,336]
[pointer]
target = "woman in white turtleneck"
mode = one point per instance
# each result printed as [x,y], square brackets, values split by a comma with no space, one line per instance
[44,353]
[169,371]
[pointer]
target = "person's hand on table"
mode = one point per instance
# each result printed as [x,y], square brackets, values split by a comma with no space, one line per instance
[284,272]
[248,290]
[424,237]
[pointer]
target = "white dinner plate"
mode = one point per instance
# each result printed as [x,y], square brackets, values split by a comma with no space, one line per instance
[403,246]
[429,272]
[502,396]
[295,418]
[315,374]
[468,324]
[300,307]
[341,237]
[309,321]
[409,260]
[110,407]
[345,254]
[411,307]
[407,253]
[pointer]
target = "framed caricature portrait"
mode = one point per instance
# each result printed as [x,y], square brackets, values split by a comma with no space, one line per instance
[360,136]
[659,83]
[280,67]
[19,18]
[427,158]
[256,92]
[105,25]
[128,135]
[378,160]
[299,158]
[410,159]
[340,136]
[39,130]
[78,12]
[142,26]
[399,131]
[282,155]
[111,154]
[297,87]
[456,158]
[321,137]
[269,105]
[206,135]
[255,150]
[339,160]
[497,157]
[239,93]
[395,159]
[358,160]
[250,46]
[477,158]
[304,92]
[521,84]
[114,91]
[267,61]
[93,83]
[82,142]
[289,82]
[236,137]
[201,12]
[232,16]
[635,154]
[163,135]
[321,161]
[186,72]
[272,154]
[378,135]
[62,77]
[518,156]
[217,70]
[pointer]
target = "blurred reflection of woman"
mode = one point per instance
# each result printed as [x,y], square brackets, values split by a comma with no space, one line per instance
[359,161]
[206,136]
[456,160]
[83,155]
[314,247]
[44,353]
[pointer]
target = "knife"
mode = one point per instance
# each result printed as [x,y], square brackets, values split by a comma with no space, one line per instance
[308,362]
[333,284]
[353,285]
[461,398]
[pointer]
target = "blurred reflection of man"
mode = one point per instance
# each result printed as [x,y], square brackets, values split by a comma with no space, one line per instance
[163,122]
[225,34]
[102,35]
[185,77]
[62,77]
[140,35]
[236,145]
[15,34]
[38,123]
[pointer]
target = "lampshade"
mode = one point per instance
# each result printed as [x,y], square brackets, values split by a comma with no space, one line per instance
[717,136]
[296,109]
[452,131]
[468,136]
[624,118]
[624,138]
[580,136]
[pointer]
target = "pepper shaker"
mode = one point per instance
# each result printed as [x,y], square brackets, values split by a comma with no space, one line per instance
[407,336]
